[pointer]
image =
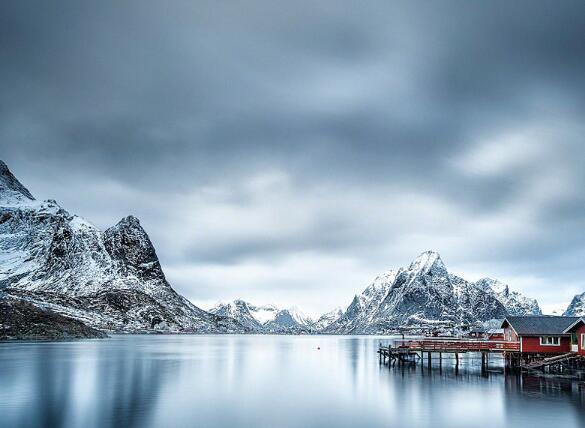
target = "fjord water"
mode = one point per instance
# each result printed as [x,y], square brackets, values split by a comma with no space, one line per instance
[262,381]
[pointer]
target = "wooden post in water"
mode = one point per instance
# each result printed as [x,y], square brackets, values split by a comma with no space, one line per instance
[429,359]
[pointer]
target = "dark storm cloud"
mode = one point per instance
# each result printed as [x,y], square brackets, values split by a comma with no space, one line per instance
[469,114]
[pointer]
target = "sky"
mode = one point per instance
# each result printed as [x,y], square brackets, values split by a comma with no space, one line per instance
[288,152]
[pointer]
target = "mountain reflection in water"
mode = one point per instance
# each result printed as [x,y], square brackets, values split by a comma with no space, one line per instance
[263,381]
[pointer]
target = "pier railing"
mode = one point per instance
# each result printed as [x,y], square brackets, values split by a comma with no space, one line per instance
[446,345]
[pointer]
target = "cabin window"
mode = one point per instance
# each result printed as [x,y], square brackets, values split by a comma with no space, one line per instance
[550,340]
[583,341]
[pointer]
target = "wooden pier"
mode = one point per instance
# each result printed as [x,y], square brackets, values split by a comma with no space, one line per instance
[429,350]
[409,351]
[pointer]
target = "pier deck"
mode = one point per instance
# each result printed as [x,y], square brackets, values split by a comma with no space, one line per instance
[457,346]
[414,350]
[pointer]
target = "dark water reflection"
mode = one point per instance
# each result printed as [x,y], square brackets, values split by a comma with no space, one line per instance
[263,381]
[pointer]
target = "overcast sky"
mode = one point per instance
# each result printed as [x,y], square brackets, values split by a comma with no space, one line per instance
[287,152]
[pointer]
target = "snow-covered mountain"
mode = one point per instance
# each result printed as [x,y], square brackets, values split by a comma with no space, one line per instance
[239,310]
[425,294]
[577,306]
[67,274]
[265,318]
[108,280]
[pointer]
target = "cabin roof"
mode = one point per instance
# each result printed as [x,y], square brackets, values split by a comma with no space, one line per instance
[538,325]
[574,325]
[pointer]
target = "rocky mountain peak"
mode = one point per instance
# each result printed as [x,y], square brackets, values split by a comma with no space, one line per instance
[425,294]
[128,243]
[577,306]
[11,190]
[428,262]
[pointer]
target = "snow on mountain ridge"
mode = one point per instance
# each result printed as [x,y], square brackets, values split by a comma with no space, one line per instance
[425,293]
[428,262]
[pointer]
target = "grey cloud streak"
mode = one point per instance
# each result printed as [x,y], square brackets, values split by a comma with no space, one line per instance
[362,132]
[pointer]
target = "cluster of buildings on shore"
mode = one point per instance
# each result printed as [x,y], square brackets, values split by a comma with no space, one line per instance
[526,342]
[546,334]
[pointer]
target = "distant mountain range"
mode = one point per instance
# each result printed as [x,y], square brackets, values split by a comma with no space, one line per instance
[423,295]
[265,319]
[61,276]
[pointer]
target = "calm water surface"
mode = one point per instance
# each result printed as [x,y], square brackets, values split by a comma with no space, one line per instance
[262,381]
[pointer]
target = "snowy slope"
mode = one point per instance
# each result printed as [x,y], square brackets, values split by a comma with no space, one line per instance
[109,280]
[514,302]
[328,318]
[363,310]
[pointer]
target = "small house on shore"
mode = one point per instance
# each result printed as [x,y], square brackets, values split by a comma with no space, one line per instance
[542,334]
[577,330]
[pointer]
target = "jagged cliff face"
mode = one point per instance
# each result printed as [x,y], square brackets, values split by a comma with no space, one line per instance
[421,293]
[110,280]
[12,192]
[577,306]
[425,294]
[514,302]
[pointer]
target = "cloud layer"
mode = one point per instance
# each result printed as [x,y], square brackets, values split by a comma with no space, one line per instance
[289,152]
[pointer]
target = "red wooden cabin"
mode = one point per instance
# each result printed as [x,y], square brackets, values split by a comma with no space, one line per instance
[578,329]
[540,334]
